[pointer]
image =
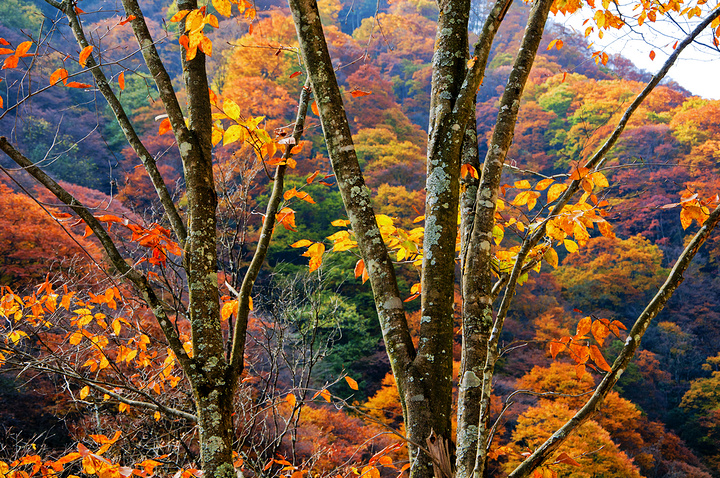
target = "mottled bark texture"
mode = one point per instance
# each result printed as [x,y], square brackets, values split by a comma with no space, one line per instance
[212,376]
[424,376]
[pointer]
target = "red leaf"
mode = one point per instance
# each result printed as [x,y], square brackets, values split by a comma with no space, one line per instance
[79,11]
[297,73]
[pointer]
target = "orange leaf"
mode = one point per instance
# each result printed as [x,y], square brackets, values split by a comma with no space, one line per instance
[10,62]
[4,42]
[359,268]
[84,55]
[128,20]
[297,148]
[22,49]
[325,394]
[556,348]
[359,93]
[598,358]
[600,331]
[75,84]
[652,54]
[466,169]
[565,458]
[313,107]
[165,126]
[59,74]
[121,80]
[580,370]
[179,15]
[584,326]
[351,383]
[290,398]
[312,177]
[579,173]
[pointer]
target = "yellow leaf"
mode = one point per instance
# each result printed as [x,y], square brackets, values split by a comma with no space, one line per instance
[555,191]
[383,220]
[224,7]
[228,309]
[234,133]
[340,222]
[570,245]
[524,184]
[194,21]
[551,258]
[157,416]
[542,185]
[351,383]
[123,407]
[231,109]
[301,243]
[599,179]
[85,54]
[84,392]
[250,304]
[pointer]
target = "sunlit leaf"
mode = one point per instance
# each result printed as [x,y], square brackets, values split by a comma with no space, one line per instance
[164,127]
[75,84]
[290,398]
[85,54]
[61,74]
[359,93]
[351,383]
[570,245]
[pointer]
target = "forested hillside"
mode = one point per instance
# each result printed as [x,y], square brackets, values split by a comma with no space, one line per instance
[312,324]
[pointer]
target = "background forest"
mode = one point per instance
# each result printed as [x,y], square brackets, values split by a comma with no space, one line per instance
[310,329]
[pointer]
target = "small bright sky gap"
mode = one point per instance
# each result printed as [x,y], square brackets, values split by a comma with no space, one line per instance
[697,69]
